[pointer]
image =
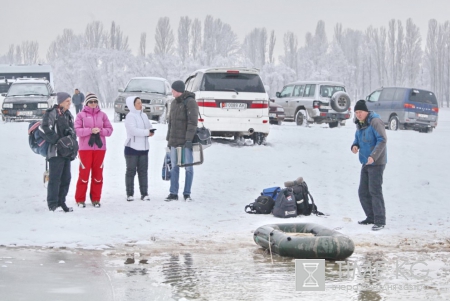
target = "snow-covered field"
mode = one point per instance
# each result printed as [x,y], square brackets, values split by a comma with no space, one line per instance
[416,191]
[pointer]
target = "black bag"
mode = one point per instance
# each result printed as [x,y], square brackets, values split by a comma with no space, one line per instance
[202,136]
[262,205]
[285,205]
[67,147]
[37,143]
[302,197]
[167,167]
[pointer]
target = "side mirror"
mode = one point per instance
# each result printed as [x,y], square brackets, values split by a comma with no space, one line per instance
[272,100]
[4,94]
[120,90]
[278,94]
[53,94]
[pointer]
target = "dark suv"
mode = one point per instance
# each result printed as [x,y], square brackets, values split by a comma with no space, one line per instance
[405,108]
[27,100]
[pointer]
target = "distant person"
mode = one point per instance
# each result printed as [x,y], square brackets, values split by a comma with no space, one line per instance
[57,123]
[183,119]
[370,142]
[78,100]
[91,126]
[138,129]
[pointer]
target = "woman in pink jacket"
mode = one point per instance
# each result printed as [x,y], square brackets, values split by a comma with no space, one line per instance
[92,126]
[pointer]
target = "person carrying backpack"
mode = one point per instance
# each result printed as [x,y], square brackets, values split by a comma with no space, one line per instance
[183,120]
[91,126]
[57,124]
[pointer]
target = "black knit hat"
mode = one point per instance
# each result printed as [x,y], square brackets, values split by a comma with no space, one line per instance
[61,97]
[361,106]
[178,86]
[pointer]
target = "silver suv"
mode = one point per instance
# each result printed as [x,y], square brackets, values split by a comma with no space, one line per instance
[315,102]
[155,93]
[27,100]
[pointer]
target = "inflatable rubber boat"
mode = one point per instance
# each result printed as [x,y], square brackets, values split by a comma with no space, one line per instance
[305,241]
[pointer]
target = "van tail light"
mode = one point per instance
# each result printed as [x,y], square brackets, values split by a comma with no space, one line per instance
[201,119]
[211,103]
[435,109]
[259,105]
[316,104]
[409,106]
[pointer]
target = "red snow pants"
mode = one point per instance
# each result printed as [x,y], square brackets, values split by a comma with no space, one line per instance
[90,160]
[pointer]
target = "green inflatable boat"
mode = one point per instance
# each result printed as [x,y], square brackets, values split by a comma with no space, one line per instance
[305,241]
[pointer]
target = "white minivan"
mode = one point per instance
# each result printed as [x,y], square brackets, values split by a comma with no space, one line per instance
[232,102]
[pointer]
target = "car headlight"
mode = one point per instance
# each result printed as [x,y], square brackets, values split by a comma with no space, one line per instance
[42,106]
[8,105]
[157,101]
[280,110]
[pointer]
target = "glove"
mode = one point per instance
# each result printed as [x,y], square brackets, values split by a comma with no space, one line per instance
[188,144]
[91,140]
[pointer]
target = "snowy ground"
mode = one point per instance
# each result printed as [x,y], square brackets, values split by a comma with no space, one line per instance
[416,191]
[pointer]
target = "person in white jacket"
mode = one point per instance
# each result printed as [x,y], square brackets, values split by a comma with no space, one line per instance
[139,129]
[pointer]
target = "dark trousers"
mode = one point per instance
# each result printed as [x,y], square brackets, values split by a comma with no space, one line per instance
[371,193]
[59,181]
[139,164]
[78,108]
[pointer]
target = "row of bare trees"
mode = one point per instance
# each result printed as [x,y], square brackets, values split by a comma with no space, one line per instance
[100,59]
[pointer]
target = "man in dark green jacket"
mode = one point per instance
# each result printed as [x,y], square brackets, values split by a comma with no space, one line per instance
[183,119]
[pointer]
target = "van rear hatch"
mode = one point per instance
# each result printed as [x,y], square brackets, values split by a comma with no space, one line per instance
[423,103]
[232,94]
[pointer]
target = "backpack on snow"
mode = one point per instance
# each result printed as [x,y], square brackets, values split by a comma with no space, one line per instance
[37,143]
[272,192]
[262,205]
[285,205]
[302,197]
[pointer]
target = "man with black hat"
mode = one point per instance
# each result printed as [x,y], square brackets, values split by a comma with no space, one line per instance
[183,119]
[370,142]
[56,124]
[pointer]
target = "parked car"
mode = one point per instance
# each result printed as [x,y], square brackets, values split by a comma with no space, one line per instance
[232,101]
[405,108]
[155,93]
[27,99]
[276,113]
[315,102]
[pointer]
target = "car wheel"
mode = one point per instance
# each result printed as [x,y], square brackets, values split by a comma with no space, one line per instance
[279,122]
[300,117]
[340,101]
[258,138]
[342,123]
[393,123]
[117,117]
[333,124]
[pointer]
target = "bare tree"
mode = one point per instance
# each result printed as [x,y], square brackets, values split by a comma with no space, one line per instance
[399,54]
[431,52]
[184,36]
[413,52]
[255,47]
[18,55]
[143,44]
[94,36]
[164,37]
[225,40]
[30,52]
[64,44]
[290,50]
[208,39]
[10,55]
[392,51]
[196,38]
[272,42]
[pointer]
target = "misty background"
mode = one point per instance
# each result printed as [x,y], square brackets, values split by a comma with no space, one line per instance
[98,47]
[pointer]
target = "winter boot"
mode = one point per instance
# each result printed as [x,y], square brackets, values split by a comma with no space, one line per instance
[187,198]
[65,208]
[130,198]
[145,198]
[366,222]
[81,204]
[96,204]
[171,197]
[377,227]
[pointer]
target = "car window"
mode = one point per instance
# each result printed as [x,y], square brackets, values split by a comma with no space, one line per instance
[423,96]
[28,90]
[387,94]
[227,81]
[4,88]
[145,85]
[309,90]
[298,91]
[287,91]
[329,90]
[399,94]
[374,96]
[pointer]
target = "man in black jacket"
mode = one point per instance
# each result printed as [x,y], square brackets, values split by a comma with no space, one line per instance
[56,124]
[78,100]
[183,120]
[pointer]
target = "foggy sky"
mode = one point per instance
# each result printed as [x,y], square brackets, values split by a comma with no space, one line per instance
[43,20]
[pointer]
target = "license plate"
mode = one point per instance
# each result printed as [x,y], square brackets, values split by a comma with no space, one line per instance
[422,115]
[234,105]
[25,113]
[272,115]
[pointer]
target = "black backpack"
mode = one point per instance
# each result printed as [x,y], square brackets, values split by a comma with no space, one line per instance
[302,197]
[35,139]
[262,205]
[285,205]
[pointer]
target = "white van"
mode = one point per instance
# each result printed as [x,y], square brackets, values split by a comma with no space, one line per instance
[232,102]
